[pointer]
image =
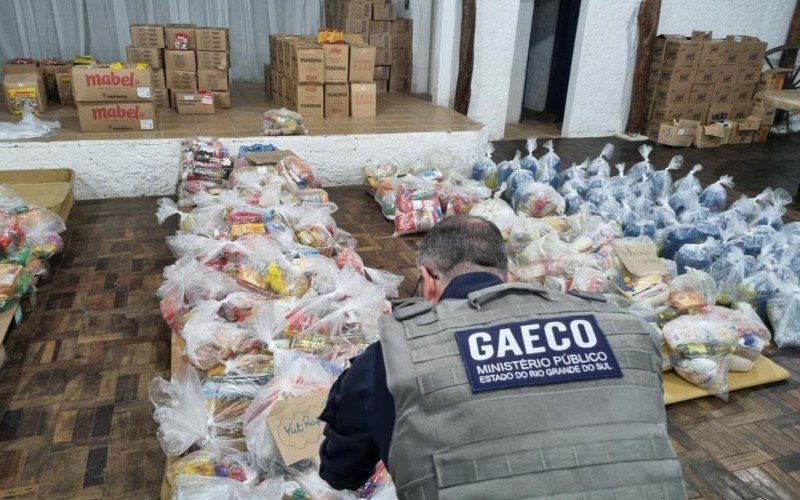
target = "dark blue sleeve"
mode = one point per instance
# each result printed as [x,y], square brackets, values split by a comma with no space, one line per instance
[349,452]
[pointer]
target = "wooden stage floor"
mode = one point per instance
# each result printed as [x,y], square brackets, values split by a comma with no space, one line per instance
[75,421]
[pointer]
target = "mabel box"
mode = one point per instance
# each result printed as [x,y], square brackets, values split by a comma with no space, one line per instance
[337,99]
[181,60]
[153,57]
[215,39]
[103,84]
[195,103]
[116,116]
[363,99]
[147,35]
[212,79]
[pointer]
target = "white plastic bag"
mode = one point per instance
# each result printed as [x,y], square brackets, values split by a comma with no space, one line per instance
[28,127]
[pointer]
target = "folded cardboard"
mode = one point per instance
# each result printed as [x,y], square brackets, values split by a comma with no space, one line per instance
[185,80]
[384,12]
[709,136]
[103,84]
[50,188]
[337,99]
[147,35]
[337,57]
[678,133]
[207,59]
[180,36]
[195,103]
[773,78]
[309,99]
[152,56]
[181,60]
[213,79]
[25,89]
[363,99]
[308,63]
[222,99]
[215,39]
[117,116]
[362,63]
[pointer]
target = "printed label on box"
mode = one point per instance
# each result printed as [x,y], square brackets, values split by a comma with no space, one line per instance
[146,124]
[143,92]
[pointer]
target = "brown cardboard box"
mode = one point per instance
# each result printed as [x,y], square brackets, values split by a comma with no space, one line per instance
[363,99]
[337,62]
[718,112]
[161,98]
[380,27]
[763,110]
[400,25]
[741,110]
[680,133]
[355,10]
[723,94]
[709,136]
[384,12]
[762,133]
[702,93]
[362,63]
[714,52]
[337,99]
[222,99]
[117,116]
[386,41]
[743,131]
[401,71]
[150,55]
[159,79]
[681,52]
[354,39]
[381,86]
[9,68]
[383,57]
[20,89]
[773,78]
[195,103]
[673,94]
[213,79]
[180,36]
[207,59]
[677,74]
[215,39]
[102,84]
[707,73]
[748,77]
[743,93]
[400,57]
[382,72]
[49,71]
[50,188]
[147,35]
[676,112]
[181,80]
[181,60]
[360,26]
[308,64]
[309,99]
[727,74]
[64,84]
[399,85]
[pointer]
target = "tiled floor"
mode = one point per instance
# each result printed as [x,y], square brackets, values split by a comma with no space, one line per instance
[396,112]
[527,128]
[75,421]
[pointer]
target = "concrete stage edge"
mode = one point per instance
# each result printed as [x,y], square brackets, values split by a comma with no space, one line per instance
[149,167]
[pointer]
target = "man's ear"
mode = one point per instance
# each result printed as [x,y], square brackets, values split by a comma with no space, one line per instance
[429,291]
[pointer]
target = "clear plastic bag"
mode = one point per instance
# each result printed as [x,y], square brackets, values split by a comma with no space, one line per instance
[206,220]
[298,173]
[728,271]
[783,312]
[691,291]
[690,182]
[550,160]
[463,195]
[375,170]
[282,122]
[507,168]
[683,200]
[662,179]
[485,170]
[538,200]
[385,196]
[497,212]
[529,162]
[696,255]
[714,197]
[600,166]
[524,231]
[192,470]
[42,230]
[747,207]
[751,333]
[28,127]
[417,207]
[760,287]
[642,169]
[773,205]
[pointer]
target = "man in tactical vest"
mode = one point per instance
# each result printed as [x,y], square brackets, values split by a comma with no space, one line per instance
[490,390]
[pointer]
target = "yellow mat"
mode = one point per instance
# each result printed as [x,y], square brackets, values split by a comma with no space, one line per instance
[764,371]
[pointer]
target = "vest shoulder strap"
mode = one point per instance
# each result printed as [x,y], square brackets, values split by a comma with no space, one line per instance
[411,308]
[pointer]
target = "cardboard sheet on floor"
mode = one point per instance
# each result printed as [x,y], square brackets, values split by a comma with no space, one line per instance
[11,315]
[47,187]
[765,371]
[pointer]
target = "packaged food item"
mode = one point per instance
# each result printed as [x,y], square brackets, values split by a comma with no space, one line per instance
[375,170]
[298,172]
[208,220]
[385,196]
[690,182]
[714,197]
[529,162]
[497,212]
[538,200]
[485,170]
[550,160]
[600,166]
[728,271]
[202,463]
[691,291]
[462,195]
[783,312]
[283,122]
[417,207]
[662,179]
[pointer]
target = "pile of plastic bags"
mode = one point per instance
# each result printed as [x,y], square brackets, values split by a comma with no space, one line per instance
[272,301]
[29,237]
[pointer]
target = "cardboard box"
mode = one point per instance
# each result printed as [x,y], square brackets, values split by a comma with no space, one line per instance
[213,79]
[222,99]
[401,71]
[337,99]
[161,98]
[707,73]
[356,10]
[680,133]
[748,77]
[401,57]
[386,41]
[354,39]
[677,112]
[102,84]
[762,133]
[384,12]
[718,112]
[215,39]
[399,85]
[50,188]
[180,36]
[714,52]
[382,72]
[49,71]
[383,57]
[309,99]
[681,52]
[64,85]
[308,64]
[709,136]
[380,27]
[117,116]
[400,25]
[701,93]
[147,35]
[727,74]
[763,110]
[672,94]
[207,59]
[677,74]
[381,86]
[154,57]
[9,68]
[741,110]
[181,80]
[743,131]
[743,93]
[159,79]
[363,100]
[195,103]
[362,63]
[773,79]
[337,62]
[360,26]
[22,89]
[723,94]
[181,60]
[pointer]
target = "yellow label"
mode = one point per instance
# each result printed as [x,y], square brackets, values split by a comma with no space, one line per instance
[18,97]
[251,228]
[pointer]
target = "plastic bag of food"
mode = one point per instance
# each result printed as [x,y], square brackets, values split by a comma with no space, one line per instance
[642,169]
[417,207]
[205,464]
[760,287]
[10,201]
[689,182]
[517,179]
[691,291]
[497,212]
[618,186]
[773,205]
[783,311]
[751,333]
[464,195]
[282,122]
[696,255]
[728,271]
[550,160]
[385,196]
[41,228]
[589,279]
[746,207]
[524,231]
[375,170]
[548,173]
[529,162]
[298,172]
[600,166]
[662,179]
[683,200]
[538,200]
[714,196]
[205,221]
[485,170]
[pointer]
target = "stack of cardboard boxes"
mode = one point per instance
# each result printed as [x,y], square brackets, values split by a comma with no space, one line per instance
[114,99]
[377,22]
[185,58]
[697,82]
[329,80]
[23,84]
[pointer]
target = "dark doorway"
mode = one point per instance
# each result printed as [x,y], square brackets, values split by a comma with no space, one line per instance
[561,63]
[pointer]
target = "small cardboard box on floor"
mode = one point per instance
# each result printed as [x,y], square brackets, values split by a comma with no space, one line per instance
[337,99]
[363,99]
[195,103]
[21,89]
[680,133]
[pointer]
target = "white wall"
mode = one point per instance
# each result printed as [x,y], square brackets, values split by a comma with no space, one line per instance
[519,65]
[445,45]
[495,35]
[605,50]
[537,77]
[421,13]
